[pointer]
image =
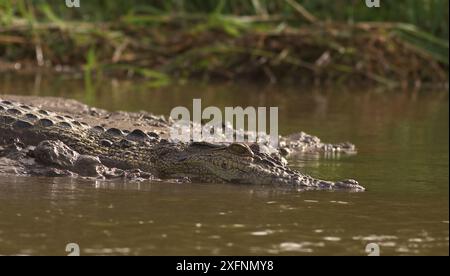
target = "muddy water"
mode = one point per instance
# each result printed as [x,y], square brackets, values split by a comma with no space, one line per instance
[403,161]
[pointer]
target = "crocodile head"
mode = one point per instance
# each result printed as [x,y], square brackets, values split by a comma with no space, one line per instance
[238,163]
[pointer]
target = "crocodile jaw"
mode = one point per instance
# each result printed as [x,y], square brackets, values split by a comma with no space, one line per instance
[239,164]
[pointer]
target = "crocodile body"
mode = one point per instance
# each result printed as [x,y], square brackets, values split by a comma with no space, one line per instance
[149,152]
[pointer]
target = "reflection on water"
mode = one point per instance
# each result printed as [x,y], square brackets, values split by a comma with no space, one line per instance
[403,161]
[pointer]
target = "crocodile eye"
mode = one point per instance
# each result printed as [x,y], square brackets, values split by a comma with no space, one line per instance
[241,149]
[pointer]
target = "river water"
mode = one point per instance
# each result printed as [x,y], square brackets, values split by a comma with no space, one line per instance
[402,160]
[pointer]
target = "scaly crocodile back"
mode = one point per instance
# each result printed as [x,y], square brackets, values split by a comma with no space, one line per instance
[114,147]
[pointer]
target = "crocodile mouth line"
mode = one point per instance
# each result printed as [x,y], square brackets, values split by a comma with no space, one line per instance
[65,142]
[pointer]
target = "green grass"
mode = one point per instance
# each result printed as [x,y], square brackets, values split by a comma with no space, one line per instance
[95,33]
[429,15]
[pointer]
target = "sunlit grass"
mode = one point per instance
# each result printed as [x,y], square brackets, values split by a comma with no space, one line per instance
[96,36]
[429,15]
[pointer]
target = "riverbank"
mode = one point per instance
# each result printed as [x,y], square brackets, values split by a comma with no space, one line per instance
[176,48]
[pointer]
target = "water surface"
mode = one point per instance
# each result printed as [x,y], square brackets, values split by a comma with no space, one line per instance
[403,161]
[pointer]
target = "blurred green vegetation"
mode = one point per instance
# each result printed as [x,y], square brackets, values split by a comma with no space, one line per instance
[429,15]
[153,24]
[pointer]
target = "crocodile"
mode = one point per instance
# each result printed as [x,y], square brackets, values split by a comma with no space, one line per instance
[62,141]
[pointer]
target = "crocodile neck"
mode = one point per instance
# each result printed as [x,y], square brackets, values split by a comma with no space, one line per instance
[236,163]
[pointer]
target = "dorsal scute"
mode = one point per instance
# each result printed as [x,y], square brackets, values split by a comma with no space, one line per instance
[31,116]
[64,125]
[153,135]
[7,120]
[114,132]
[138,135]
[125,143]
[106,143]
[43,112]
[76,123]
[26,107]
[20,124]
[45,122]
[14,111]
[204,144]
[98,129]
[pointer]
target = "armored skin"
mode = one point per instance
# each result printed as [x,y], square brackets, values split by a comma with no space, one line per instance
[198,161]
